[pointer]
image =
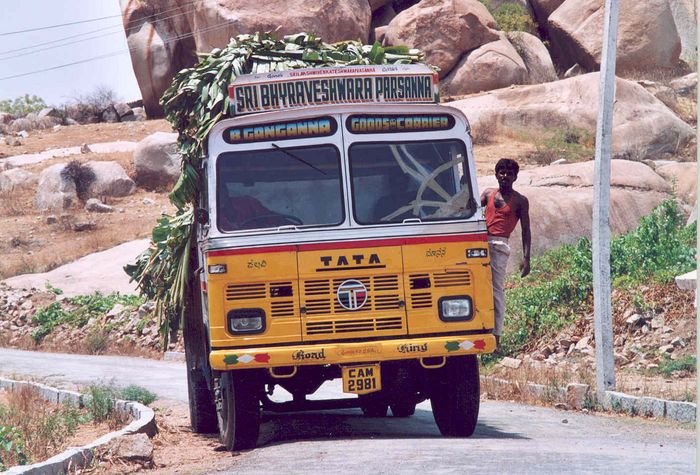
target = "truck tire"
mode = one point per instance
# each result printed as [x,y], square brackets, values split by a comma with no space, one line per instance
[239,416]
[202,408]
[403,394]
[455,396]
[374,405]
[201,397]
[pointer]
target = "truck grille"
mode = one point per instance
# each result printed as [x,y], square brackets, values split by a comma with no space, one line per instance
[281,296]
[320,296]
[421,285]
[325,327]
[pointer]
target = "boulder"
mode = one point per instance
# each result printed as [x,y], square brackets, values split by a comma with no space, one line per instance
[684,15]
[160,48]
[55,191]
[380,19]
[50,112]
[5,118]
[110,180]
[535,55]
[686,85]
[15,178]
[443,29]
[561,201]
[647,35]
[94,205]
[157,161]
[543,8]
[21,124]
[643,127]
[491,66]
[663,93]
[682,177]
[123,110]
[375,5]
[109,115]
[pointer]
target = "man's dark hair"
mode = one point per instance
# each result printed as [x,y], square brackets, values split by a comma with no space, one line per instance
[508,163]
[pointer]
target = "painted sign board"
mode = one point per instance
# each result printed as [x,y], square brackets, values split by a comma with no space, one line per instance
[296,88]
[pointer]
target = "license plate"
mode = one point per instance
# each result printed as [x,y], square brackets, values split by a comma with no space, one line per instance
[361,379]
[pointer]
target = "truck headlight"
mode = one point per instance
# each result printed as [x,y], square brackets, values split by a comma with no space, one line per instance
[455,309]
[246,320]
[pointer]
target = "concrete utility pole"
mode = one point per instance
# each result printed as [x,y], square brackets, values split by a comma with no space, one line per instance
[604,358]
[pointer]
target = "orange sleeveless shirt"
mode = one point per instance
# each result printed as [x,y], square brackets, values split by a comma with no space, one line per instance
[499,222]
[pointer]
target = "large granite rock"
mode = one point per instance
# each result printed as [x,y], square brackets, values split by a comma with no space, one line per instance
[443,29]
[492,66]
[647,36]
[643,127]
[685,14]
[543,8]
[16,178]
[55,191]
[561,201]
[682,178]
[110,180]
[157,161]
[535,55]
[164,36]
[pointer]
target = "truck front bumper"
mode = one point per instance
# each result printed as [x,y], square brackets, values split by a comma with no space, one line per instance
[349,353]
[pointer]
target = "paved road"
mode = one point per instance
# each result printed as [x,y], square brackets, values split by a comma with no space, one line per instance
[510,438]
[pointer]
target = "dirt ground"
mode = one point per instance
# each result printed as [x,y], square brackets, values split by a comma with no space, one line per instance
[72,136]
[176,449]
[29,244]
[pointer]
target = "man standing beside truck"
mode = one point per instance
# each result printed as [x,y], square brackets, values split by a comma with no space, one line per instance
[504,208]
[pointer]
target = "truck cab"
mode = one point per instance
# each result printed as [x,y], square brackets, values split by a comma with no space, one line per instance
[341,239]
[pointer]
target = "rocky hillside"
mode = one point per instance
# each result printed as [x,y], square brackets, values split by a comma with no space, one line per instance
[478,45]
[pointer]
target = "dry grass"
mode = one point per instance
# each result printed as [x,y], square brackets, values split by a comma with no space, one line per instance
[30,245]
[485,131]
[41,429]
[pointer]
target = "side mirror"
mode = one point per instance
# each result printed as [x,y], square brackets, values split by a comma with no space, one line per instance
[201,216]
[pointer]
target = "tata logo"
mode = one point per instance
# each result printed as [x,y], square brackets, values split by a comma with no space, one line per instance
[357,259]
[352,294]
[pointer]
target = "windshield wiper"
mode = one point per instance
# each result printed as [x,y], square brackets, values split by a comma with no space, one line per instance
[287,152]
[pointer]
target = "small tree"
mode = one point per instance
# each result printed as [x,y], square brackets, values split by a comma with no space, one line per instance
[22,105]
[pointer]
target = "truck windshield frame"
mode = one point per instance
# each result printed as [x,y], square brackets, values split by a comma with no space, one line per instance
[407,177]
[249,198]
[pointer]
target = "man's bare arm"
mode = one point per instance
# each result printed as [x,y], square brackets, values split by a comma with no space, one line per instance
[524,215]
[485,196]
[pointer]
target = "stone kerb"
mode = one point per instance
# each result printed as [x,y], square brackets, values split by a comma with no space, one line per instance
[142,421]
[576,397]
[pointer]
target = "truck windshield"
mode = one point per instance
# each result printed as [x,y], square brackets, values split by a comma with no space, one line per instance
[260,189]
[398,181]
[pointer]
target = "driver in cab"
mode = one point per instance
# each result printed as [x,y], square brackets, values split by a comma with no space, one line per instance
[247,212]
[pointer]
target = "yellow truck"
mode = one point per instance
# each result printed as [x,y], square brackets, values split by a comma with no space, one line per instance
[339,237]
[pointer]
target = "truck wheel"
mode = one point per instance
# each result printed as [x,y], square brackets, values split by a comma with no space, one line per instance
[455,396]
[239,416]
[373,405]
[403,408]
[201,397]
[202,408]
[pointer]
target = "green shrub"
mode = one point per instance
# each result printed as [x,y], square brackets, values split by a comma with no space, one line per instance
[100,401]
[686,363]
[559,287]
[78,311]
[47,318]
[11,447]
[571,144]
[514,17]
[22,105]
[138,394]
